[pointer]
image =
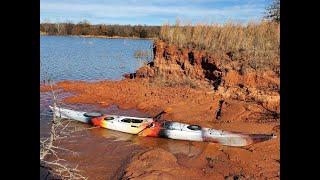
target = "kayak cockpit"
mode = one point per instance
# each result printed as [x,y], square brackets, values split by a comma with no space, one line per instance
[132,125]
[108,118]
[130,120]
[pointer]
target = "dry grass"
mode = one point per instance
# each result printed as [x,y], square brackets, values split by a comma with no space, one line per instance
[143,54]
[258,43]
[143,57]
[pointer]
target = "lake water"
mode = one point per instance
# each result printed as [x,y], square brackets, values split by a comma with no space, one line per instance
[77,58]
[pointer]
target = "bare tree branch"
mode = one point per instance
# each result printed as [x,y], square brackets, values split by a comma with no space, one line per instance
[56,165]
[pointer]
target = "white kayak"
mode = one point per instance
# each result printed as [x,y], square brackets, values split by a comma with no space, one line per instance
[166,129]
[181,131]
[71,114]
[127,124]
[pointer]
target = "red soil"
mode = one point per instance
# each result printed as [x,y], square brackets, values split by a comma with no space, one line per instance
[194,106]
[248,102]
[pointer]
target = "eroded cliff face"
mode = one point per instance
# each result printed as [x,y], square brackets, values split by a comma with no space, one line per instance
[172,64]
[230,77]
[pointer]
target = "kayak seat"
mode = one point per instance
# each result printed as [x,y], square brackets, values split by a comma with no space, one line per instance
[194,127]
[92,114]
[109,118]
[127,120]
[136,120]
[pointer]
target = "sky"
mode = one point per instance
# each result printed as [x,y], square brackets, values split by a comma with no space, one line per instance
[152,12]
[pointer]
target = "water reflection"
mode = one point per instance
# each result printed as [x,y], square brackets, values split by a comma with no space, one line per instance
[188,148]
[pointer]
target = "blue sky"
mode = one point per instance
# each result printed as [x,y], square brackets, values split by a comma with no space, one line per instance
[152,12]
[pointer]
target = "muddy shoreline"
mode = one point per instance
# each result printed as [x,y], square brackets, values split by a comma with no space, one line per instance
[202,89]
[194,106]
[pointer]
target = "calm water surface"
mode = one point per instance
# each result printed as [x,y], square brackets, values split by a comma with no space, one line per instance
[77,58]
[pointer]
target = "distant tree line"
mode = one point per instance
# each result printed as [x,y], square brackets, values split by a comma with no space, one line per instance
[85,28]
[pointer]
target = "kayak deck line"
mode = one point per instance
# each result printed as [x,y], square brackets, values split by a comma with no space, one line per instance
[150,127]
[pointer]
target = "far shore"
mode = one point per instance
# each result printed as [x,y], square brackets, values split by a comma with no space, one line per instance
[99,36]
